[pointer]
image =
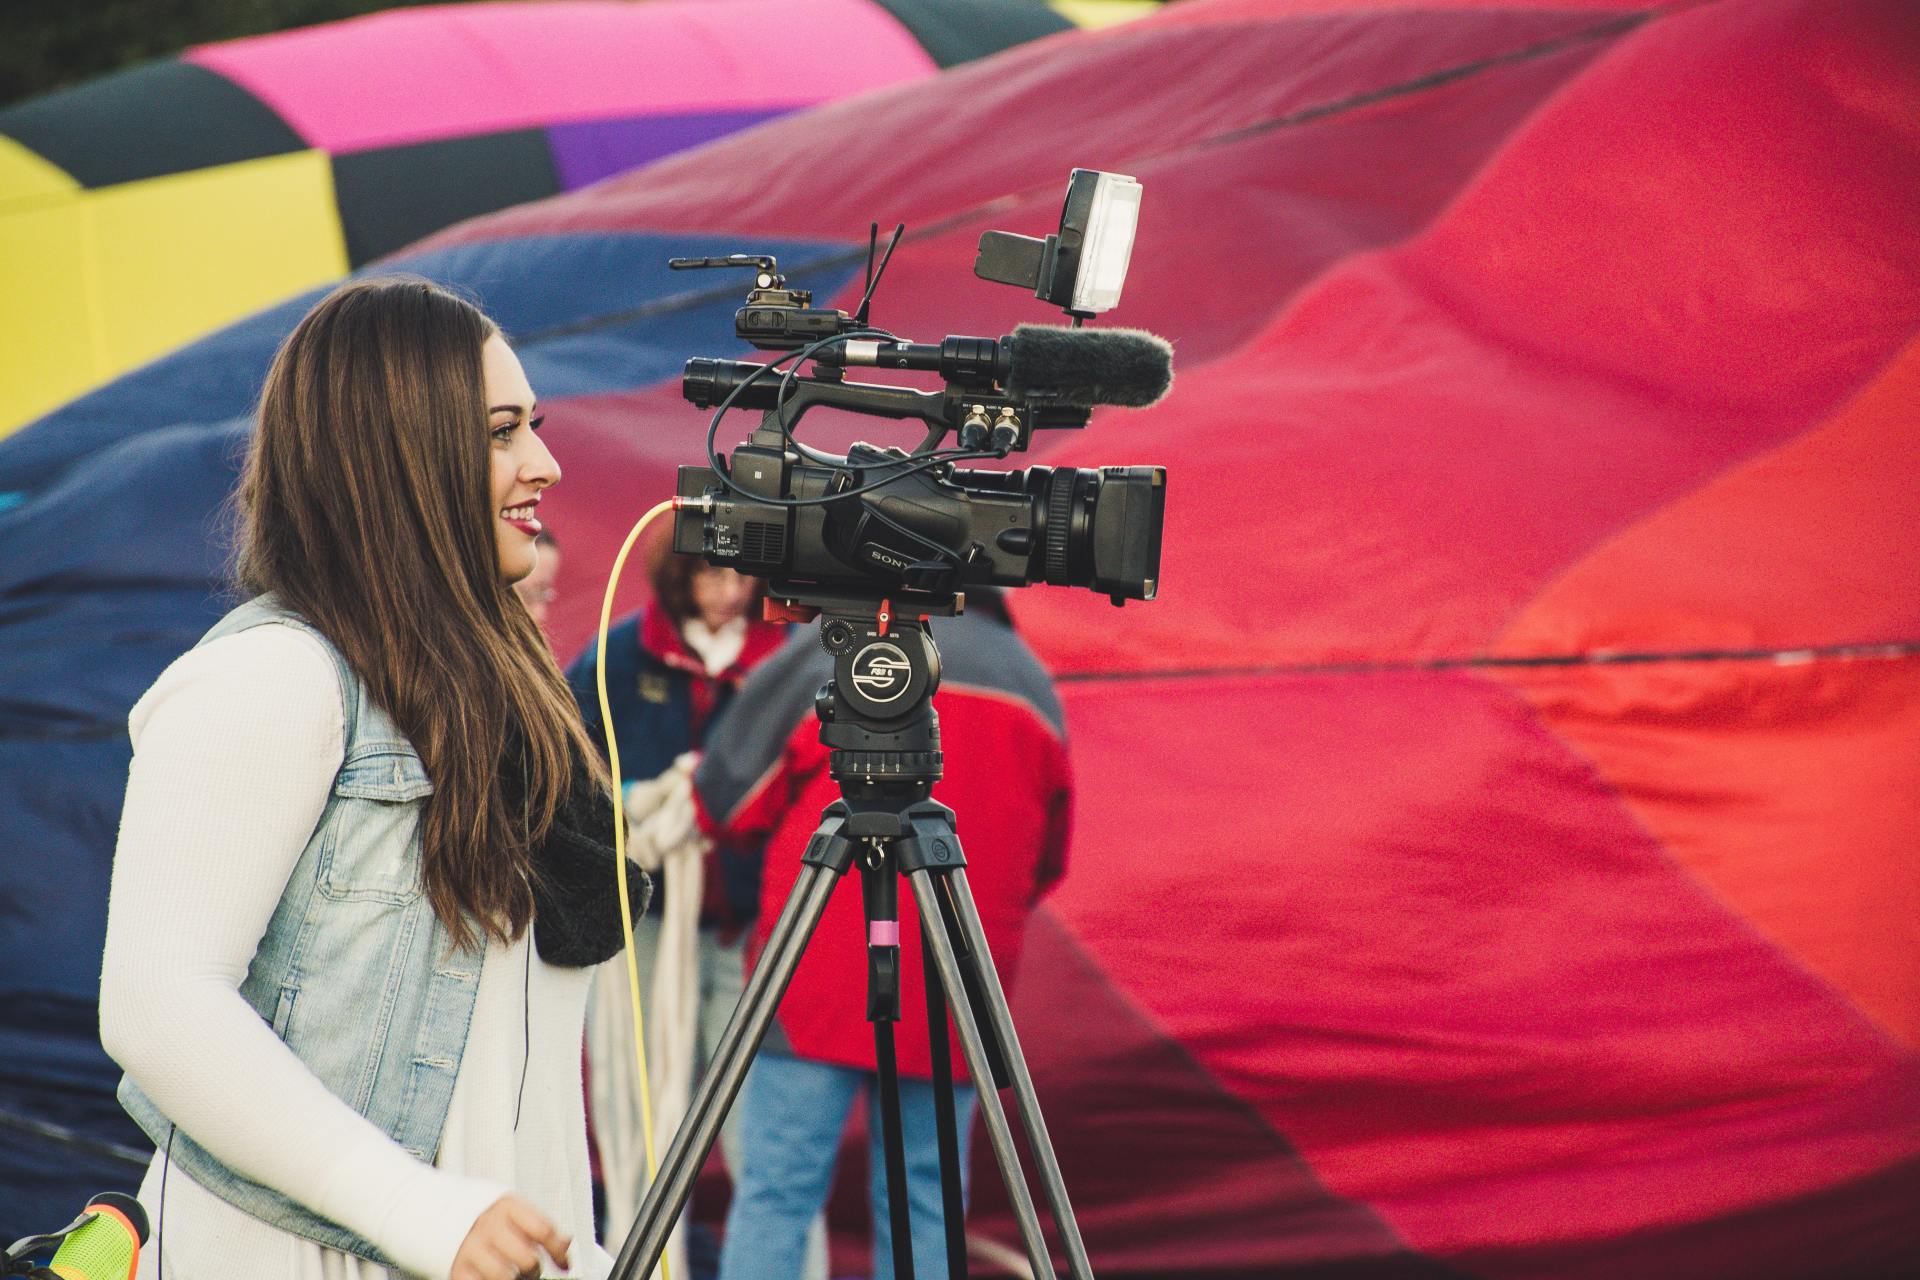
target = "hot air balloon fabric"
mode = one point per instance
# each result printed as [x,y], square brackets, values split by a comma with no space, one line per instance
[141,210]
[1495,847]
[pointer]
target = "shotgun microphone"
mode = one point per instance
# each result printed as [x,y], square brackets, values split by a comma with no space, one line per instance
[1083,367]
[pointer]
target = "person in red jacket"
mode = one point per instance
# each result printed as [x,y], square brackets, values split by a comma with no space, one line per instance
[762,785]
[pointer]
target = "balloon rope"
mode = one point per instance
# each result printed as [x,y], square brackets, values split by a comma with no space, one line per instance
[620,844]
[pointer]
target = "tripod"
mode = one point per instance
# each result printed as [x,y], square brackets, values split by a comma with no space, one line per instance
[884,738]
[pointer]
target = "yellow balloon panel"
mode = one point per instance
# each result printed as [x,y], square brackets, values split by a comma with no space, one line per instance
[1102,13]
[26,179]
[182,255]
[47,344]
[160,263]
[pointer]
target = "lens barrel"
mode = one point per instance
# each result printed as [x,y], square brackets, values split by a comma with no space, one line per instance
[1100,528]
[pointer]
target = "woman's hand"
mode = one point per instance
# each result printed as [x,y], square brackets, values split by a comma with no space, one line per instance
[503,1242]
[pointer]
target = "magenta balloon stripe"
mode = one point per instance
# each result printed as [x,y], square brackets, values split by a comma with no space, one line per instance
[456,71]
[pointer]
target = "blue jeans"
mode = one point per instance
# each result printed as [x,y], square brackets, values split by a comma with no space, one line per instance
[792,1112]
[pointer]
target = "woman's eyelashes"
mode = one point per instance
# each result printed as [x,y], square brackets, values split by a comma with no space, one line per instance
[504,432]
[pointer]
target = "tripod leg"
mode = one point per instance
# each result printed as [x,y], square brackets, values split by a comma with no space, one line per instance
[893,1145]
[974,1049]
[967,920]
[945,1116]
[881,893]
[673,1184]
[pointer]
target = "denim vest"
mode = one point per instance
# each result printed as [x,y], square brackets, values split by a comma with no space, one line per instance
[355,972]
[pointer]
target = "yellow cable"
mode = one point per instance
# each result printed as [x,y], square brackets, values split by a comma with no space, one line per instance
[620,843]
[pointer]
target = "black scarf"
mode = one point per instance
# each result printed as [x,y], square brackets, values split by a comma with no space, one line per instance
[576,902]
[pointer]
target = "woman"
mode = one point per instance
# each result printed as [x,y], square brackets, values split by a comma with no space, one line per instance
[363,865]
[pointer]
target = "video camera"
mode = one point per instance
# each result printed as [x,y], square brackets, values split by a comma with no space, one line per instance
[914,528]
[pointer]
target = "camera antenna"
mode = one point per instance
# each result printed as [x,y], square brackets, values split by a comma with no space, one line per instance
[874,274]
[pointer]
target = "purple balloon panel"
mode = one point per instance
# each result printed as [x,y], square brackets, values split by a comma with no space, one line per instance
[591,150]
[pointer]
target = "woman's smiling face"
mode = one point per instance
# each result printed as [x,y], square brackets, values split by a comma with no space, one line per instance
[522,466]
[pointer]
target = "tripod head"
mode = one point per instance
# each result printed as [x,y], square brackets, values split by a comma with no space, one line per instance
[876,713]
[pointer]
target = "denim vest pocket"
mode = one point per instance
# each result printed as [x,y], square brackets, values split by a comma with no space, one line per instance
[388,771]
[372,842]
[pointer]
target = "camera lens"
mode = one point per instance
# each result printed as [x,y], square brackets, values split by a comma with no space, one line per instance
[1101,528]
[1072,493]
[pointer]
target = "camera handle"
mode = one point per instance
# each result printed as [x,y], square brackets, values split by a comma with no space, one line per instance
[884,738]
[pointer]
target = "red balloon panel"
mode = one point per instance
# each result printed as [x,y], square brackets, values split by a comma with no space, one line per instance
[1806,546]
[1014,124]
[1790,788]
[1434,949]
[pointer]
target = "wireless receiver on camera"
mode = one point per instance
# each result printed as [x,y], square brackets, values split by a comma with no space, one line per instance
[914,527]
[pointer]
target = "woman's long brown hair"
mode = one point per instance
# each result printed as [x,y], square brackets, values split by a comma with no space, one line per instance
[366,507]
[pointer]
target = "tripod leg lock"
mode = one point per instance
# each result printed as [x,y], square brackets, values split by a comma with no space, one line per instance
[830,847]
[931,845]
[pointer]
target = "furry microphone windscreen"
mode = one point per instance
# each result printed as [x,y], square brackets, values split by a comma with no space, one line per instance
[1091,366]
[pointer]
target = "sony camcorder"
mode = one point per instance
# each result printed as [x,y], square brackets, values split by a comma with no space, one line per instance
[915,527]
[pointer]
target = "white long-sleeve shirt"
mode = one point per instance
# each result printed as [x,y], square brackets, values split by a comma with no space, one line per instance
[235,750]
